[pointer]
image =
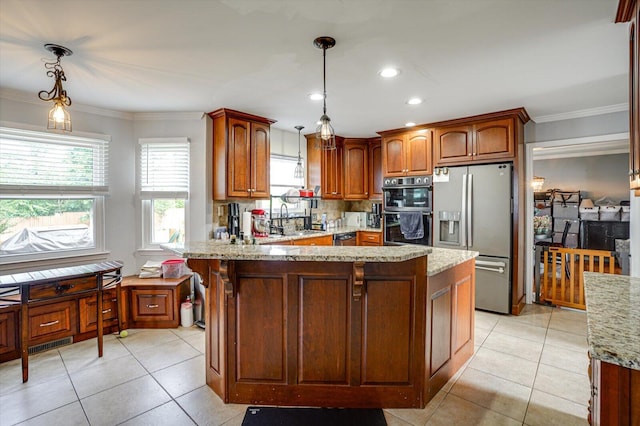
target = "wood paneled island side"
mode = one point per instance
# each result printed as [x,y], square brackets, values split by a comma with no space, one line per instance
[332,326]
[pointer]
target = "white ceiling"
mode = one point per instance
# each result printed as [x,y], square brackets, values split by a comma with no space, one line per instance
[464,57]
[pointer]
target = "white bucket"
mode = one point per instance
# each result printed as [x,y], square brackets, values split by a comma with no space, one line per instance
[186,314]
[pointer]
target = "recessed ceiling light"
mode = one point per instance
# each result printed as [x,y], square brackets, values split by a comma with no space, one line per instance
[316,96]
[414,101]
[410,124]
[389,72]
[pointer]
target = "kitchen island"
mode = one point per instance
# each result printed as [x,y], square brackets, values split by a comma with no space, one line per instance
[613,326]
[333,326]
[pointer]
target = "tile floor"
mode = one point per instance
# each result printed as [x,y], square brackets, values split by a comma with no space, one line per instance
[526,370]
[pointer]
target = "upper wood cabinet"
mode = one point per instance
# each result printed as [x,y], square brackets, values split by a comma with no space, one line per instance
[407,154]
[629,11]
[356,169]
[375,169]
[478,142]
[241,154]
[332,171]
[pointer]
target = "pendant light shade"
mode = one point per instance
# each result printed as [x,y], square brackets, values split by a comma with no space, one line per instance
[325,135]
[298,172]
[59,118]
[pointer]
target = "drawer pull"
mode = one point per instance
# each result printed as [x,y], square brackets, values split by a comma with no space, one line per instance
[62,288]
[152,306]
[47,324]
[106,311]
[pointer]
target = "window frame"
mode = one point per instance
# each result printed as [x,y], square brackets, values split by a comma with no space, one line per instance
[146,198]
[98,194]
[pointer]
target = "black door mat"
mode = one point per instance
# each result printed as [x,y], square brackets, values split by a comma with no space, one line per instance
[275,416]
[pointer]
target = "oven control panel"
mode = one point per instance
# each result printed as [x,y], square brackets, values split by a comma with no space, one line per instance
[398,182]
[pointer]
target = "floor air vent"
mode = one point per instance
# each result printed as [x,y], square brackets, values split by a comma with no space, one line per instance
[50,345]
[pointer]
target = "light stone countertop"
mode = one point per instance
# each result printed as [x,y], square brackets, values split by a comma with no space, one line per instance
[214,250]
[442,259]
[613,318]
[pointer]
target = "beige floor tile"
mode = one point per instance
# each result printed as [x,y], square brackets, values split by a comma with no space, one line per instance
[98,378]
[413,416]
[569,314]
[237,421]
[457,411]
[140,339]
[569,326]
[69,415]
[35,400]
[184,332]
[507,366]
[480,335]
[43,367]
[567,359]
[168,414]
[206,408]
[566,340]
[85,354]
[197,341]
[183,377]
[492,392]
[549,410]
[124,402]
[395,421]
[533,317]
[447,386]
[563,383]
[507,325]
[523,348]
[486,320]
[165,354]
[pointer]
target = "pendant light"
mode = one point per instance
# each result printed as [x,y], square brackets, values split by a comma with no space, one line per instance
[298,173]
[59,117]
[325,135]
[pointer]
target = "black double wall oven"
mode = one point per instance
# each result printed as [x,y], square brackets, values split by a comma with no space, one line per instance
[407,209]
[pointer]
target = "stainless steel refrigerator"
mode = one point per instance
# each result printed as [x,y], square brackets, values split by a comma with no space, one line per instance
[473,210]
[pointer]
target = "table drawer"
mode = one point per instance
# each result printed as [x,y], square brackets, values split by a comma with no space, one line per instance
[152,305]
[62,288]
[52,321]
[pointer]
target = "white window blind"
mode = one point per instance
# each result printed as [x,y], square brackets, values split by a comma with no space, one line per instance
[48,163]
[164,168]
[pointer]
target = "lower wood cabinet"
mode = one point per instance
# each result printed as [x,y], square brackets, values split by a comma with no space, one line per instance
[155,302]
[369,238]
[9,332]
[87,307]
[615,395]
[52,321]
[324,240]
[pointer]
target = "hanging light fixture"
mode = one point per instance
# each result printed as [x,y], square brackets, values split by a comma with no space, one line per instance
[298,173]
[59,118]
[325,135]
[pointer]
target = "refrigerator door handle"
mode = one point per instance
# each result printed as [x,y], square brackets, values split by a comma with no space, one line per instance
[498,270]
[463,222]
[470,211]
[486,265]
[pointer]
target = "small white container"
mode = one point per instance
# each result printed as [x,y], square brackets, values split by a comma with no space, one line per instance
[186,314]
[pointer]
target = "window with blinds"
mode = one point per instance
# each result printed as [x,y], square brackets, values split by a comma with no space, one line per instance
[52,189]
[163,184]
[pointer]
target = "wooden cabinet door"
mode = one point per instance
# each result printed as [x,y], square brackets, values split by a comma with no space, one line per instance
[452,145]
[393,156]
[332,169]
[325,240]
[260,154]
[385,299]
[356,170]
[239,158]
[88,311]
[9,332]
[369,238]
[418,153]
[375,170]
[493,139]
[149,305]
[52,321]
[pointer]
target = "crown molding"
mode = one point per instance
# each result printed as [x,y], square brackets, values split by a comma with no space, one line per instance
[164,116]
[581,113]
[20,96]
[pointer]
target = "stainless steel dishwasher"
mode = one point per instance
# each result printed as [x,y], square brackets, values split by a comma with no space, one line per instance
[344,239]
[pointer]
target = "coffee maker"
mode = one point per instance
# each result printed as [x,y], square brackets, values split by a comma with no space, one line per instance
[373,218]
[233,219]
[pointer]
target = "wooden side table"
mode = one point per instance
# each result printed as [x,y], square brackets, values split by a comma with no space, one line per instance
[155,302]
